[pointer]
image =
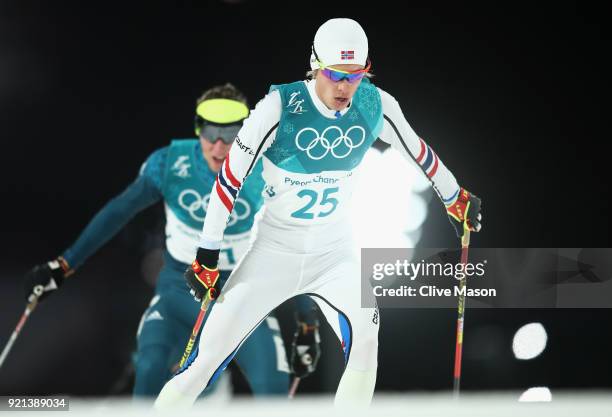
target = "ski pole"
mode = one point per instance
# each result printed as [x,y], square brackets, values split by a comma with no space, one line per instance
[294,386]
[465,243]
[196,329]
[32,302]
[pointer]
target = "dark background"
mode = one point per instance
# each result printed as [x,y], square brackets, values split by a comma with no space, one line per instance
[513,97]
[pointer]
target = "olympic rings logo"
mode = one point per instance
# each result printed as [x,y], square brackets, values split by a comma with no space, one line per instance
[318,146]
[191,201]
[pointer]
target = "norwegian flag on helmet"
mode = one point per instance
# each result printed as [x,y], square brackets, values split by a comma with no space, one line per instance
[347,55]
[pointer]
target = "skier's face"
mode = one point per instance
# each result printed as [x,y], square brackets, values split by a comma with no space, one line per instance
[337,95]
[214,153]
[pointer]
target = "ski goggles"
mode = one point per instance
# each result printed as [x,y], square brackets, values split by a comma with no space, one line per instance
[337,75]
[220,118]
[212,131]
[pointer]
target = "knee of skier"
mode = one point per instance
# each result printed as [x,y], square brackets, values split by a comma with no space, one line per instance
[364,355]
[368,342]
[151,360]
[364,349]
[151,372]
[207,363]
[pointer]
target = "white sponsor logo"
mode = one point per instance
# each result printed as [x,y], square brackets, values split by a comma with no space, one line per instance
[333,140]
[180,168]
[194,204]
[296,103]
[153,315]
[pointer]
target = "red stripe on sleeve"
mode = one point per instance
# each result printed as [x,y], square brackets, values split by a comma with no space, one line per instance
[435,167]
[422,153]
[230,176]
[226,201]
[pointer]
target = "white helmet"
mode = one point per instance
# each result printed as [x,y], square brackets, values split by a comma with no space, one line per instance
[339,41]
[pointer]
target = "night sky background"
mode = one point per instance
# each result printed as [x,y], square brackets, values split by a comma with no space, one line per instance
[513,97]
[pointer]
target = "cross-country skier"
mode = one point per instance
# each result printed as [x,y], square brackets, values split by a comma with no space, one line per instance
[182,175]
[311,136]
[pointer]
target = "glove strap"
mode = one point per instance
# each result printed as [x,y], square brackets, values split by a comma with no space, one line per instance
[207,277]
[458,210]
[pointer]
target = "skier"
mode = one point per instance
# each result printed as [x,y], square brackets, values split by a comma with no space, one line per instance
[182,175]
[311,136]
